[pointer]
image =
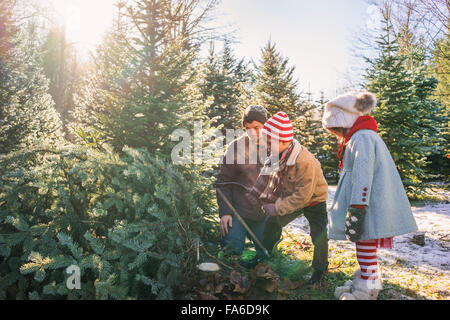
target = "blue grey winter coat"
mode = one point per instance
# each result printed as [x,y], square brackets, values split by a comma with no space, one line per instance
[369,177]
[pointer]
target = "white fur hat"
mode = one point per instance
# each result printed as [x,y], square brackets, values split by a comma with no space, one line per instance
[343,110]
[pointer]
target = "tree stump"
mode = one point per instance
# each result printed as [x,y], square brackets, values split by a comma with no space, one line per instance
[419,238]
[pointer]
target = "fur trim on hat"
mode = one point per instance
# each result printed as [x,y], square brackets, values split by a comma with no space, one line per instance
[343,110]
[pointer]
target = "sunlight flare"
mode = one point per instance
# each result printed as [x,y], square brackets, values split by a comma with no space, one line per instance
[85,21]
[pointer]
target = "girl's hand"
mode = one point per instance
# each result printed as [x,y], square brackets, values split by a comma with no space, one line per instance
[354,223]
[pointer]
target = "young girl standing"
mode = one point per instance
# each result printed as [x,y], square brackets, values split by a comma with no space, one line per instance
[370,206]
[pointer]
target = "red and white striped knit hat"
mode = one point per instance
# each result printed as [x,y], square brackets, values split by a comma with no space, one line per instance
[279,127]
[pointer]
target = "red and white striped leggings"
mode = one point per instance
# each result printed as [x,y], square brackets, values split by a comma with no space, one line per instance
[366,253]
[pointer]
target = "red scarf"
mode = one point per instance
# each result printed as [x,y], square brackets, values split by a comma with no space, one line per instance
[363,122]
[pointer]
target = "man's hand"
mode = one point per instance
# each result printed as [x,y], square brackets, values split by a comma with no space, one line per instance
[224,222]
[269,209]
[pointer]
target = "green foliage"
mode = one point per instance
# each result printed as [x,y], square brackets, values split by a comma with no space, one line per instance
[123,214]
[221,78]
[435,119]
[320,143]
[276,88]
[325,146]
[408,117]
[129,222]
[441,71]
[27,115]
[140,90]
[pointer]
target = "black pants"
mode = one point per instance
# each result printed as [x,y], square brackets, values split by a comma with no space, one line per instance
[318,220]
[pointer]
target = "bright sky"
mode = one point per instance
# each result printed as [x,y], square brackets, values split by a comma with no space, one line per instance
[316,35]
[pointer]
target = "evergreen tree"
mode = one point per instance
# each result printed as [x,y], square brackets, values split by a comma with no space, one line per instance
[404,113]
[104,88]
[129,222]
[145,67]
[27,114]
[309,124]
[442,70]
[222,76]
[276,89]
[326,146]
[441,162]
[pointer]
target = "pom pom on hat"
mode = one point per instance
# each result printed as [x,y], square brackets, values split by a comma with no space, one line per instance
[365,102]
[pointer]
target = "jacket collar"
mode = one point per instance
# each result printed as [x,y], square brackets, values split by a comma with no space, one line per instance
[298,148]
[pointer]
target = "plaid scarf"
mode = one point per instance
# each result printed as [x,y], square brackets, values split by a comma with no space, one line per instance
[267,186]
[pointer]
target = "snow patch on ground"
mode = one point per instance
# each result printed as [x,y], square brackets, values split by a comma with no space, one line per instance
[430,261]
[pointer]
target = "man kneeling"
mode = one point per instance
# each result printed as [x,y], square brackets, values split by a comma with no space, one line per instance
[238,172]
